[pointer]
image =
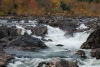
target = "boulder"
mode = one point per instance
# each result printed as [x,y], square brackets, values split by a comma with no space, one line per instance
[38,30]
[4,41]
[95,53]
[41,64]
[26,42]
[68,25]
[9,31]
[62,63]
[3,31]
[13,31]
[4,57]
[93,41]
[81,53]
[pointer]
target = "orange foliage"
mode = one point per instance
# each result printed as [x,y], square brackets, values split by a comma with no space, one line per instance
[49,7]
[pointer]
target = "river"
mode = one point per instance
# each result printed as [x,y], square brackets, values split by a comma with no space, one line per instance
[70,46]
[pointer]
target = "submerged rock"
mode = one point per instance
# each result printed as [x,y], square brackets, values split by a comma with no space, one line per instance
[62,63]
[68,34]
[93,41]
[4,57]
[81,53]
[95,53]
[26,42]
[59,45]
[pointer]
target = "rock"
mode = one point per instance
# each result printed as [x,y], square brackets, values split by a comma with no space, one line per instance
[68,34]
[68,25]
[59,45]
[62,63]
[4,41]
[38,30]
[81,53]
[9,31]
[29,27]
[4,58]
[3,31]
[43,39]
[95,53]
[93,41]
[13,31]
[26,42]
[41,64]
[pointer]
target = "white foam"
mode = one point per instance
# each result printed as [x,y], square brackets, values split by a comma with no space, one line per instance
[82,26]
[91,63]
[20,27]
[57,35]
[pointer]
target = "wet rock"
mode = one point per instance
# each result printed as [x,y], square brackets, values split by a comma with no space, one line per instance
[4,58]
[42,64]
[48,20]
[59,45]
[95,53]
[92,24]
[47,40]
[26,42]
[68,25]
[13,31]
[38,30]
[9,31]
[3,31]
[93,41]
[4,41]
[68,34]
[81,53]
[62,63]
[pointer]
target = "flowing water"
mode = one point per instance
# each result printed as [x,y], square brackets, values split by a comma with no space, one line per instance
[71,45]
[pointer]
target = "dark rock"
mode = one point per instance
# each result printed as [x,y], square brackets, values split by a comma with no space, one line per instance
[4,41]
[95,53]
[59,45]
[50,40]
[4,57]
[29,27]
[9,31]
[81,53]
[3,31]
[13,31]
[68,25]
[43,39]
[38,30]
[93,41]
[26,42]
[41,64]
[62,63]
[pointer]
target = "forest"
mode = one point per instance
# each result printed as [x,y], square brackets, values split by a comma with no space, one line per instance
[50,7]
